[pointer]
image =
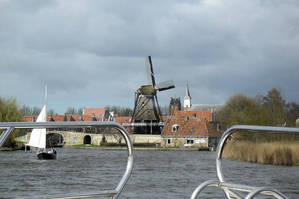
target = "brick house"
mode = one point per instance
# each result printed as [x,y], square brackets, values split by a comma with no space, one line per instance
[190,129]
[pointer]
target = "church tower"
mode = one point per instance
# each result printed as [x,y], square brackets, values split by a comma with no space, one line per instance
[174,105]
[187,99]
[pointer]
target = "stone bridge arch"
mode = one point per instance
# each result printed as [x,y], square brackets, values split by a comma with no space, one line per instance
[54,139]
[77,138]
[87,139]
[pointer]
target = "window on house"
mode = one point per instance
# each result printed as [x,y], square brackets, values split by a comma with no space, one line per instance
[175,128]
[194,115]
[190,141]
[168,141]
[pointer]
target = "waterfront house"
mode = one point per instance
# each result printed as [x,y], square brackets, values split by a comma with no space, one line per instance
[190,129]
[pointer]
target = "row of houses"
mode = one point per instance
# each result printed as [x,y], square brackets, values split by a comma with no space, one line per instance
[181,129]
[89,114]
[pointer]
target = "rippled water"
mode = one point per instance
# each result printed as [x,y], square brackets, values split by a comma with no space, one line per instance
[156,174]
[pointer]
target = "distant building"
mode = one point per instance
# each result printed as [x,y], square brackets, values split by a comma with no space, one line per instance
[187,99]
[206,107]
[188,106]
[174,105]
[188,130]
[89,114]
[97,114]
[58,118]
[212,108]
[195,114]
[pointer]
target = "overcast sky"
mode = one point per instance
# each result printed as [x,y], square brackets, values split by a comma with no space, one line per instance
[91,53]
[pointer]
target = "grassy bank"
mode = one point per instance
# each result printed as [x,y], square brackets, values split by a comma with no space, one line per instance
[276,153]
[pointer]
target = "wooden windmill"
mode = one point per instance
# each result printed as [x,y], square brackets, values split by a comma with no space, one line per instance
[146,109]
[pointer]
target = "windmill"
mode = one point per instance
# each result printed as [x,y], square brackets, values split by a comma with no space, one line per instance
[146,109]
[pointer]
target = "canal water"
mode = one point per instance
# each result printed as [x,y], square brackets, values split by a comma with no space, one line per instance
[156,174]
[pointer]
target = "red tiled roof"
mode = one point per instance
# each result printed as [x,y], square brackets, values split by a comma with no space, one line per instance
[189,126]
[29,118]
[76,117]
[32,118]
[98,112]
[123,119]
[87,118]
[56,118]
[196,114]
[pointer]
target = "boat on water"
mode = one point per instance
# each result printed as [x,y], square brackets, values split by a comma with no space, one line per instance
[49,155]
[38,137]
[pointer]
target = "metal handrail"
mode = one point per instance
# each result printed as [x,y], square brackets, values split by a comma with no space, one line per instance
[10,126]
[265,191]
[230,188]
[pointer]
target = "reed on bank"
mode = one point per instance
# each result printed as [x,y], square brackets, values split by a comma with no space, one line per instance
[276,153]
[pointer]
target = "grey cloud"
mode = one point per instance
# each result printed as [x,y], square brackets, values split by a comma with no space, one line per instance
[92,53]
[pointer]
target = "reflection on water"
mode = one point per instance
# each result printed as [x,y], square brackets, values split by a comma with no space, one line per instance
[156,174]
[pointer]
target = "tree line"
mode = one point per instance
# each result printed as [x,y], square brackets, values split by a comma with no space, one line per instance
[10,112]
[27,110]
[119,110]
[269,110]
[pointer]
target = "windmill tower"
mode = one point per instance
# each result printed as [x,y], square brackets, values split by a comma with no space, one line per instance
[146,113]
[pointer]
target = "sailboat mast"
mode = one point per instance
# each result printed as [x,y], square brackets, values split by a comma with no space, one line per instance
[46,94]
[43,136]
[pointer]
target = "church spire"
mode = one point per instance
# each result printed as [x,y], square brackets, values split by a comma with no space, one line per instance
[187,98]
[187,91]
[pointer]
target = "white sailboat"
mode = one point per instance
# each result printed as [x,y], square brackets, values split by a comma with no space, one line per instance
[38,137]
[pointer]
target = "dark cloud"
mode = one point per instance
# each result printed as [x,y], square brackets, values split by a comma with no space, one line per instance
[92,53]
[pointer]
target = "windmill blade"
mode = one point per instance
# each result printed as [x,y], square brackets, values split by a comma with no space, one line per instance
[151,71]
[165,85]
[159,111]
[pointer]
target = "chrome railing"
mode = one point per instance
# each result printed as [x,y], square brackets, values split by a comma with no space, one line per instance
[233,190]
[114,193]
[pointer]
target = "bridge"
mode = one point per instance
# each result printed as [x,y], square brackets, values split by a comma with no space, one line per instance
[69,138]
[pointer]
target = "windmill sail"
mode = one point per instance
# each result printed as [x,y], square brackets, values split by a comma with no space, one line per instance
[38,136]
[165,85]
[151,71]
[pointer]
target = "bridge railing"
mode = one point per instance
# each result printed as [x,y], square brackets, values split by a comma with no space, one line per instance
[114,193]
[237,190]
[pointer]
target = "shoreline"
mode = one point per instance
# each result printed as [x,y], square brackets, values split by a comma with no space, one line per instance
[118,148]
[137,148]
